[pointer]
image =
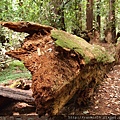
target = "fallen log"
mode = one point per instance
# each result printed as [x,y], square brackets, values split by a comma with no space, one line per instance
[4,101]
[13,94]
[26,27]
[61,65]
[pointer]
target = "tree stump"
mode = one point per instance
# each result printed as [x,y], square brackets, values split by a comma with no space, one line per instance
[61,64]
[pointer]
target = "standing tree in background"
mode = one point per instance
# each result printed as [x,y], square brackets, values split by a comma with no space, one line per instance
[89,21]
[80,16]
[110,32]
[112,19]
[67,15]
[98,22]
[58,14]
[77,22]
[98,15]
[89,14]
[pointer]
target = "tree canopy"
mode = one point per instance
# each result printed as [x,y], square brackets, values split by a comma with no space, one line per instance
[72,16]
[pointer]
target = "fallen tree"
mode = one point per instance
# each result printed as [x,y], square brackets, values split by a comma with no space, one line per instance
[62,65]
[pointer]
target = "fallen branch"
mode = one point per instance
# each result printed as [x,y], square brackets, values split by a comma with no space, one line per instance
[17,94]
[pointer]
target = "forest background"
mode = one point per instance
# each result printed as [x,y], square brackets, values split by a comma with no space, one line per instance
[68,15]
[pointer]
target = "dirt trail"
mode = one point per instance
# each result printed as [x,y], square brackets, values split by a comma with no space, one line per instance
[107,97]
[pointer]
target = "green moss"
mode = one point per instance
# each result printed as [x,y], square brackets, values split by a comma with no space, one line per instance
[15,71]
[88,51]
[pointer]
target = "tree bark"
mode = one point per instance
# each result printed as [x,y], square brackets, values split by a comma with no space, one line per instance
[110,32]
[59,13]
[78,19]
[98,15]
[89,14]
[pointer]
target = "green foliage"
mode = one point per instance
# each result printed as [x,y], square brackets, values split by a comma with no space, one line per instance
[15,71]
[46,12]
[17,64]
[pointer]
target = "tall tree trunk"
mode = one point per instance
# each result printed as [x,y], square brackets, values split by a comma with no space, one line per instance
[110,32]
[78,19]
[89,14]
[98,15]
[80,15]
[98,20]
[112,19]
[59,13]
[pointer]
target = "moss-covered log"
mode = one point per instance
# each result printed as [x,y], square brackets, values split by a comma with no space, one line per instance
[61,64]
[87,51]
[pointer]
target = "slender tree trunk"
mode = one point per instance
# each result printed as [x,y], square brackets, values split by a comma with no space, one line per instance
[98,15]
[78,19]
[59,13]
[112,19]
[80,16]
[89,14]
[98,20]
[62,17]
[110,32]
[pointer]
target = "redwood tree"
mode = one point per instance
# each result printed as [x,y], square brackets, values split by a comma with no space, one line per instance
[98,15]
[77,23]
[89,14]
[110,32]
[112,20]
[58,10]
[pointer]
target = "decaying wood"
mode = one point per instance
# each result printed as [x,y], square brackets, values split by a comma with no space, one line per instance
[61,65]
[16,94]
[27,27]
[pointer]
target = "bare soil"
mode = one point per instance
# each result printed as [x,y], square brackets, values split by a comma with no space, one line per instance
[106,100]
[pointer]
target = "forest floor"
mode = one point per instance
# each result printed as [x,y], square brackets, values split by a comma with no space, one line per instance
[105,101]
[106,98]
